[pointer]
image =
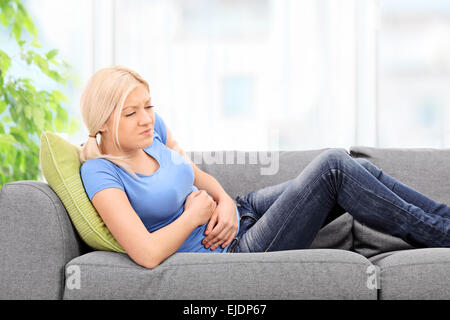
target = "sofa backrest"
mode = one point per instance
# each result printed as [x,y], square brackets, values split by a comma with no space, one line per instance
[240,172]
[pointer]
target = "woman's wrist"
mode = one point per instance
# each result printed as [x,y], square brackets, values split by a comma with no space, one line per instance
[224,197]
[189,218]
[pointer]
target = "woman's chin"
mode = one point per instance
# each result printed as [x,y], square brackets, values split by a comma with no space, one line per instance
[147,143]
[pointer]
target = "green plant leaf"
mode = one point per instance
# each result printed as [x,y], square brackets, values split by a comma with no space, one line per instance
[28,112]
[55,76]
[6,140]
[59,124]
[3,106]
[19,135]
[17,30]
[38,117]
[62,114]
[74,126]
[5,62]
[40,62]
[6,14]
[36,43]
[26,20]
[18,159]
[23,163]
[51,54]
[58,96]
[7,119]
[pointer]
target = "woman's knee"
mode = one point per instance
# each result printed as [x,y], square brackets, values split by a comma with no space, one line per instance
[363,161]
[369,166]
[332,157]
[336,154]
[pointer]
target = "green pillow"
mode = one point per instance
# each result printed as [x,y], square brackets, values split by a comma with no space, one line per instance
[60,165]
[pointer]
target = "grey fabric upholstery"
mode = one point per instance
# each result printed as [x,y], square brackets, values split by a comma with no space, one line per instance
[37,240]
[296,274]
[240,172]
[414,274]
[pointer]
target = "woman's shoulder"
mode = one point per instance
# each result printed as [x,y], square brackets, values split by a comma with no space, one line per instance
[98,174]
[160,128]
[97,164]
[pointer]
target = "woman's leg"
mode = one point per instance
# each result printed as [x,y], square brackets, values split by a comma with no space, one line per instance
[262,199]
[294,218]
[405,192]
[256,203]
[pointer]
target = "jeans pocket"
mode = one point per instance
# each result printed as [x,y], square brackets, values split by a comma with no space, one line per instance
[246,223]
[245,208]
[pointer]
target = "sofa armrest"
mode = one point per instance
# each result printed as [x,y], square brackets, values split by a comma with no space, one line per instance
[37,240]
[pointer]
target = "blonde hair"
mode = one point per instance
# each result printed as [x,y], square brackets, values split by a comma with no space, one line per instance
[105,91]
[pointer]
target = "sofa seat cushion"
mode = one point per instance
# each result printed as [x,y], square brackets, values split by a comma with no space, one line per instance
[414,274]
[295,274]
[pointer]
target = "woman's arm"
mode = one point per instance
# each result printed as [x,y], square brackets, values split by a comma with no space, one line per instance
[146,249]
[223,225]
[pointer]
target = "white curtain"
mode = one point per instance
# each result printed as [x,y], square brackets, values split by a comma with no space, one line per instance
[238,75]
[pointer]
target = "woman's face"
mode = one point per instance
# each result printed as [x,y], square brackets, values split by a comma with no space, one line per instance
[137,116]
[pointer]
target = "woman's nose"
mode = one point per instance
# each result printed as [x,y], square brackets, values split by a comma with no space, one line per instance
[145,118]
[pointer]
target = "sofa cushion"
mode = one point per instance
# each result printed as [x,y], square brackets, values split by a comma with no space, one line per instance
[60,165]
[414,274]
[294,274]
[423,169]
[335,235]
[370,242]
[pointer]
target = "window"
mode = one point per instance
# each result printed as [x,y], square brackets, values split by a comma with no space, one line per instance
[414,73]
[229,74]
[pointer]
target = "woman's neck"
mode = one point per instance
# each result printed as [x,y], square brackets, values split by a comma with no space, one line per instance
[108,148]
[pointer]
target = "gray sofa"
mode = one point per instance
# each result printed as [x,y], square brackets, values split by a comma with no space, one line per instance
[42,256]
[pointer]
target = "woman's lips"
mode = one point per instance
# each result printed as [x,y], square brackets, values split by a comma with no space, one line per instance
[146,133]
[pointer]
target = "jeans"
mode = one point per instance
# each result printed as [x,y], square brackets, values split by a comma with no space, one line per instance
[289,215]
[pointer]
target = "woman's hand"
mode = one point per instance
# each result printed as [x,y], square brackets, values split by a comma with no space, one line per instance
[200,205]
[223,225]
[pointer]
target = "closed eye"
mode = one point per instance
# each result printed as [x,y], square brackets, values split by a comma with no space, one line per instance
[130,114]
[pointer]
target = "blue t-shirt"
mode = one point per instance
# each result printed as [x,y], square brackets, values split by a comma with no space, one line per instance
[157,198]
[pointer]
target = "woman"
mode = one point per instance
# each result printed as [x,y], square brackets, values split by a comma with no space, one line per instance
[155,201]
